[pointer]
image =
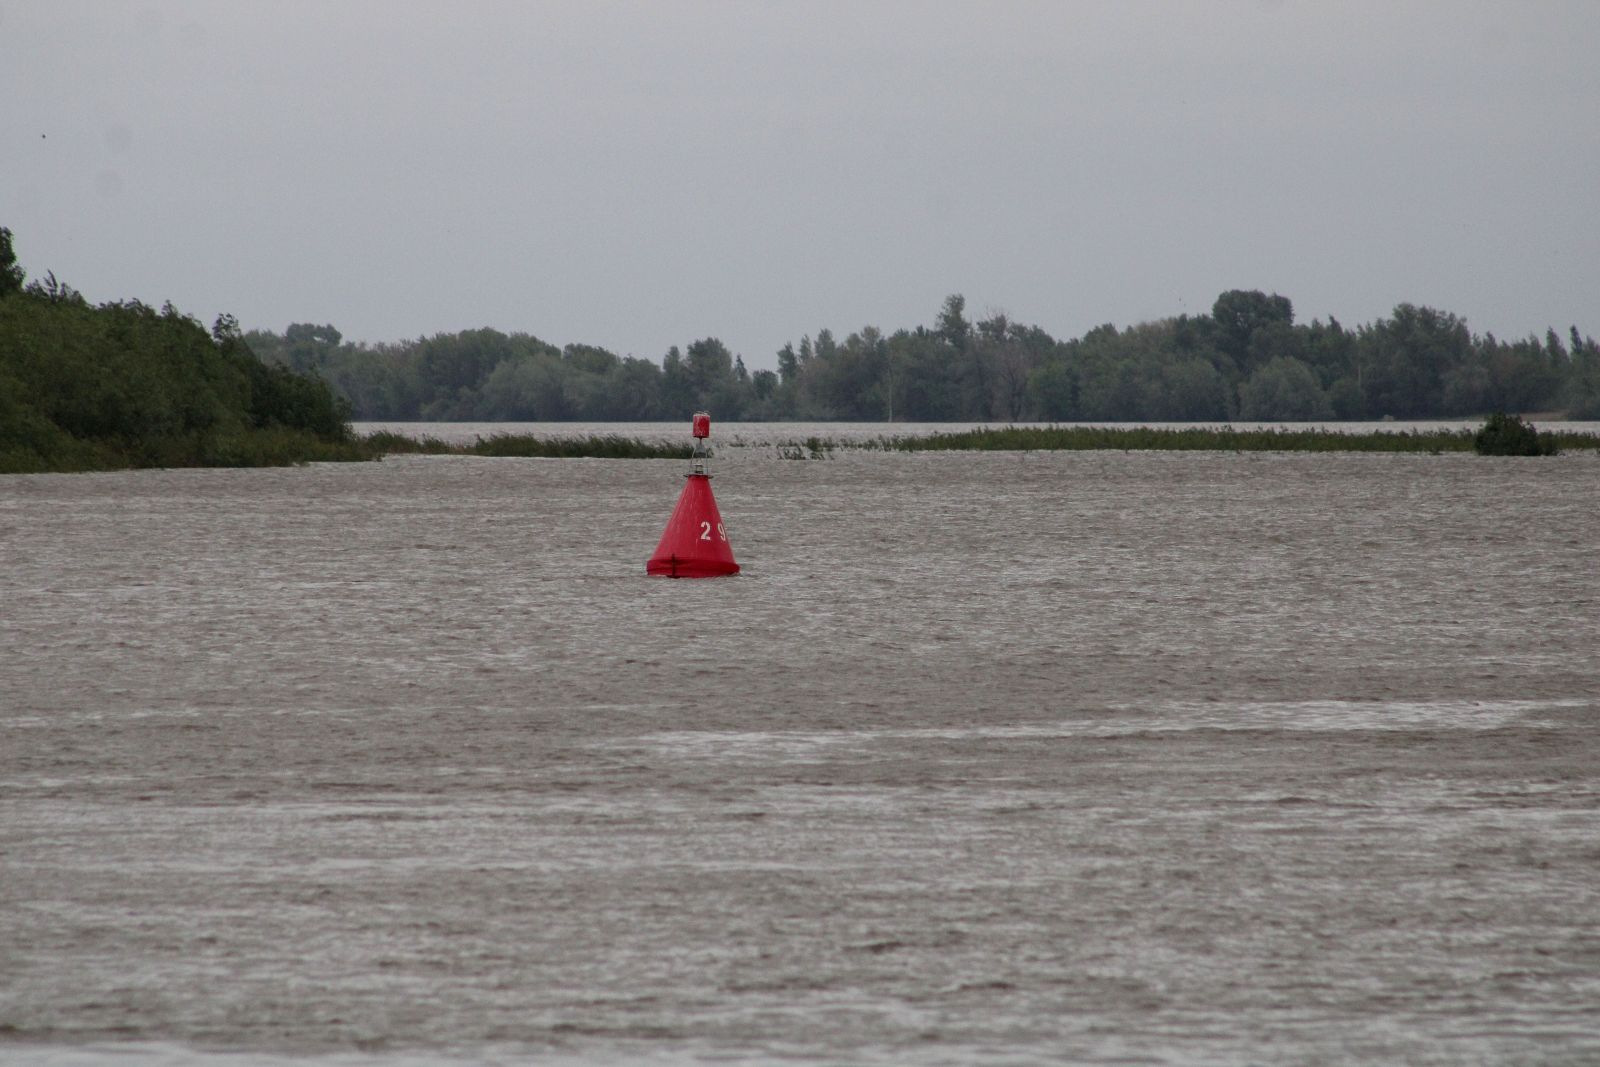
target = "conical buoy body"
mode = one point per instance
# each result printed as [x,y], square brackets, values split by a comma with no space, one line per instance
[695,543]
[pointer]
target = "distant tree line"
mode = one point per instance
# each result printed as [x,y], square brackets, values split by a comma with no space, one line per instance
[1247,360]
[121,384]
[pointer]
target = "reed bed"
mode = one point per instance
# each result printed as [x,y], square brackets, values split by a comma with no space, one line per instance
[594,446]
[1008,439]
[1204,438]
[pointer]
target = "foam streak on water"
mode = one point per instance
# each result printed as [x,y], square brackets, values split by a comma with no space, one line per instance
[1021,759]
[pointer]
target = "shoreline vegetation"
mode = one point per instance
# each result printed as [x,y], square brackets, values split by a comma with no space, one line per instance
[1228,439]
[1522,439]
[1248,360]
[528,446]
[122,385]
[278,447]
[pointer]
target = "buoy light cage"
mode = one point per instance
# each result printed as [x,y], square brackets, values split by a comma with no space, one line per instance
[700,426]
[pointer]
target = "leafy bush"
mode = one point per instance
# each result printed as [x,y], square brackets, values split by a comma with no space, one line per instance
[1508,435]
[280,397]
[124,385]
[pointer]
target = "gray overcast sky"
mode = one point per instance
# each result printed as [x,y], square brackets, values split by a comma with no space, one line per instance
[641,175]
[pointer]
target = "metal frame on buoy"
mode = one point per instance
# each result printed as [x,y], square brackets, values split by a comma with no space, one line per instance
[699,459]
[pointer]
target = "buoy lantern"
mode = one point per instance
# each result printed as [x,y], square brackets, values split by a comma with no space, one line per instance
[695,543]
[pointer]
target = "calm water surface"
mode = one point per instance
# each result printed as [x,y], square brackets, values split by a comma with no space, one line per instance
[985,758]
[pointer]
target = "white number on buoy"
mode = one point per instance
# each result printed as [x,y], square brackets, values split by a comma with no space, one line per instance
[705,531]
[721,532]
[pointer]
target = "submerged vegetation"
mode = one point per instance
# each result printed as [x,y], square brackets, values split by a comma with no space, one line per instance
[813,448]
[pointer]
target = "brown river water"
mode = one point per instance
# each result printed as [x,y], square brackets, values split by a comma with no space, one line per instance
[1106,757]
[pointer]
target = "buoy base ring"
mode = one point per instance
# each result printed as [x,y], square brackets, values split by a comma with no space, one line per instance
[673,567]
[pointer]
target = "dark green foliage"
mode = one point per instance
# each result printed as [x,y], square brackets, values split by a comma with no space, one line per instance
[10,273]
[1248,323]
[1283,390]
[1583,378]
[1246,360]
[281,398]
[1508,435]
[124,385]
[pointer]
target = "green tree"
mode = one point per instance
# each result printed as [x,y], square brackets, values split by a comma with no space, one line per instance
[678,399]
[1409,356]
[1283,390]
[710,367]
[931,389]
[11,274]
[125,385]
[1053,391]
[1188,390]
[1583,383]
[953,325]
[523,390]
[452,367]
[636,388]
[1239,314]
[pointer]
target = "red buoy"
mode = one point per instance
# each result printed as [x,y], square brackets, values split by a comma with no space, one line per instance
[695,543]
